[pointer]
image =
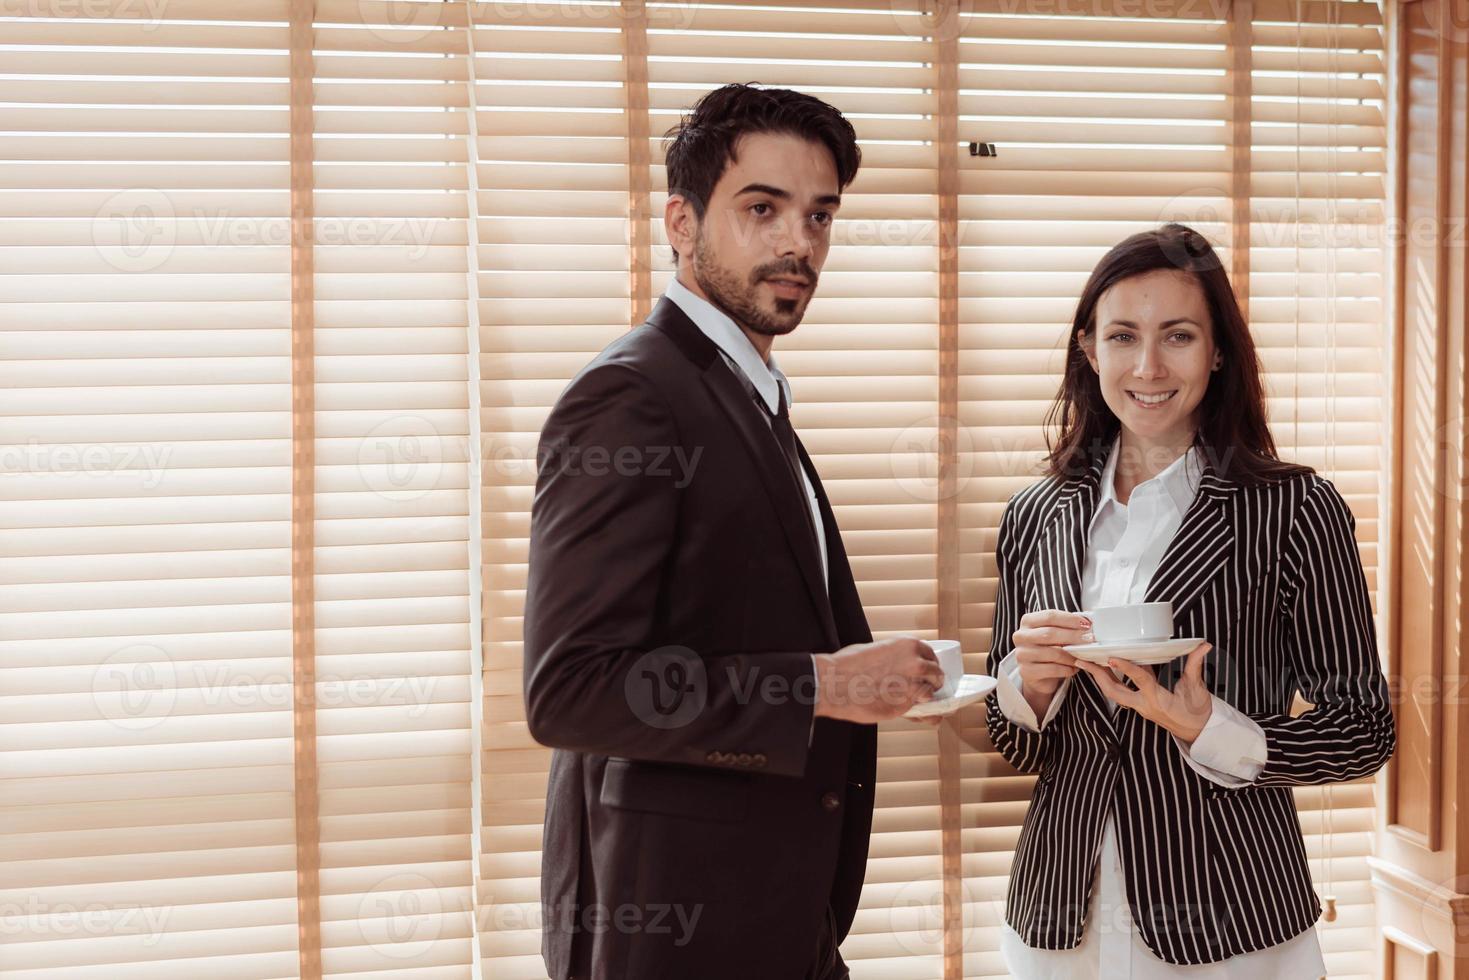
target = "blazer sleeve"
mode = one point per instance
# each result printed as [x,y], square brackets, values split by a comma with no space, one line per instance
[1332,646]
[1024,749]
[602,533]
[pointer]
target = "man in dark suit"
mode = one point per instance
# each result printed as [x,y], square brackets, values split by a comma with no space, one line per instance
[695,648]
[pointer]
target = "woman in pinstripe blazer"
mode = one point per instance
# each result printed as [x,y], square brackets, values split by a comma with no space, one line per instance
[1259,560]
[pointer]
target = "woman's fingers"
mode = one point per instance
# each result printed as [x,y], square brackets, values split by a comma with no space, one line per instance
[1109,685]
[1039,640]
[1063,636]
[1049,671]
[1043,655]
[1138,674]
[1047,666]
[1193,668]
[1052,627]
[1052,636]
[1054,617]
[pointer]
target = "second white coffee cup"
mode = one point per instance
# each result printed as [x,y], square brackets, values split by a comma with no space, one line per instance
[951,659]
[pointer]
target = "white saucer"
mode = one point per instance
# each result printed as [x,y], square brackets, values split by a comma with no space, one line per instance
[971,688]
[1139,652]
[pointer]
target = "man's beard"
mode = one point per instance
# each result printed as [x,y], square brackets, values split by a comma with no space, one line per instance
[740,300]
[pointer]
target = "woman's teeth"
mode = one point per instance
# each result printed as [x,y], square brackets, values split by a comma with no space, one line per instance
[1151,400]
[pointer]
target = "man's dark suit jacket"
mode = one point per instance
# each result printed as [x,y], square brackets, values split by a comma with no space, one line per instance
[670,616]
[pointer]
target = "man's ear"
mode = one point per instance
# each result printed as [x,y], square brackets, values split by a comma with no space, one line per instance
[680,224]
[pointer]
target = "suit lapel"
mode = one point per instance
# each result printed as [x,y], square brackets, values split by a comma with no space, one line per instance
[1061,549]
[1198,552]
[848,621]
[786,495]
[1060,556]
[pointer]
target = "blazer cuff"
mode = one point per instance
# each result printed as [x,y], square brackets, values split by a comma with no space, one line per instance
[811,732]
[1230,751]
[1013,704]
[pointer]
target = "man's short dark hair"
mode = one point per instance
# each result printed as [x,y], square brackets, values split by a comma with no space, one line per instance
[703,142]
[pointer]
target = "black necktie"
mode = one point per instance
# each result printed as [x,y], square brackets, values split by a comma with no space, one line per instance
[780,424]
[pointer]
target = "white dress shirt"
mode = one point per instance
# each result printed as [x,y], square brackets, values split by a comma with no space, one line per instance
[1125,543]
[742,358]
[765,375]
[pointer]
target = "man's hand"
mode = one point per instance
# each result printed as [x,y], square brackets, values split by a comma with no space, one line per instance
[871,682]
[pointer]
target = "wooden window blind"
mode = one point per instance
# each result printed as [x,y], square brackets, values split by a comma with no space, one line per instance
[455,206]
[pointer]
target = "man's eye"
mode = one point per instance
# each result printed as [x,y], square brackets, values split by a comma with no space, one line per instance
[824,216]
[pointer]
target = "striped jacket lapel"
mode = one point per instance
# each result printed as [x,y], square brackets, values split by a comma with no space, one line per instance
[1198,552]
[1060,556]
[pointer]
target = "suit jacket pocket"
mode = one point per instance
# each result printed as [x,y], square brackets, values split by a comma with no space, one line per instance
[681,791]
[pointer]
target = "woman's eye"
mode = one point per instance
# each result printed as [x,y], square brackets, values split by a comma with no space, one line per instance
[1120,336]
[762,204]
[1185,335]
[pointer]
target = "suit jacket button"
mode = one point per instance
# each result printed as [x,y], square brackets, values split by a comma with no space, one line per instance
[831,801]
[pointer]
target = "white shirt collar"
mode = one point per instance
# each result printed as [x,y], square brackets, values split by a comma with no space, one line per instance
[728,337]
[1179,480]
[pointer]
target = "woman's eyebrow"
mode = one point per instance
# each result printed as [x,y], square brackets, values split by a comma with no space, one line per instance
[1165,324]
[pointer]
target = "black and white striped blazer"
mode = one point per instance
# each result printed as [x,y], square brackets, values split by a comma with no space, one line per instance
[1271,576]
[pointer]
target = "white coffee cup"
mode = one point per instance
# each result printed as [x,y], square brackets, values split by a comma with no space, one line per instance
[1140,622]
[951,659]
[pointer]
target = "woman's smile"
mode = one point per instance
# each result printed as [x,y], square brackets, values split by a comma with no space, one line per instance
[1151,400]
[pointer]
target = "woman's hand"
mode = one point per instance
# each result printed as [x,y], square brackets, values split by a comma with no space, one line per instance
[1037,648]
[1183,711]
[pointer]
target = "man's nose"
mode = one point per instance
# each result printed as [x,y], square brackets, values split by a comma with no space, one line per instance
[796,242]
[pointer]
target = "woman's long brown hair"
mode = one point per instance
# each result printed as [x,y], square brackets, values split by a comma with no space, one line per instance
[1232,431]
